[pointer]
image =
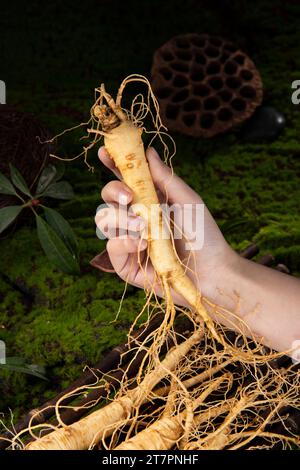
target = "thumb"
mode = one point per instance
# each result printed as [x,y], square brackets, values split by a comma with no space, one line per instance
[169,184]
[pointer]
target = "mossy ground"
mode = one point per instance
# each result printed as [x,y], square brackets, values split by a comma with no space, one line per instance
[60,53]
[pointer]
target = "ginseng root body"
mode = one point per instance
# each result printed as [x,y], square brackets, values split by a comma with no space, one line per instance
[125,146]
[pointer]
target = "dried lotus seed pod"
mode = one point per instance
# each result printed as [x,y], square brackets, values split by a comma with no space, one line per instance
[205,85]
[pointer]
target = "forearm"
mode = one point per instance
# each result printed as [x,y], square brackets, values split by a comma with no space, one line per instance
[266,300]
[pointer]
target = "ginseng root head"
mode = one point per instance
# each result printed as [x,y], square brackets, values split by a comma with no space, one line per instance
[106,116]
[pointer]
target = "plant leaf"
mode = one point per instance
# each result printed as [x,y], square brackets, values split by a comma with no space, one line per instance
[19,365]
[47,177]
[15,361]
[8,215]
[60,170]
[60,190]
[5,186]
[55,249]
[18,180]
[62,228]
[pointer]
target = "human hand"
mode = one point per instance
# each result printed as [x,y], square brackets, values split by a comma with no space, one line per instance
[254,293]
[127,251]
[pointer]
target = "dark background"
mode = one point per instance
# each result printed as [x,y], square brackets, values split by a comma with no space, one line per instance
[52,56]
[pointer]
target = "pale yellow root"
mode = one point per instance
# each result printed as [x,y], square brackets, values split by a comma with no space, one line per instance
[195,380]
[271,436]
[164,433]
[228,433]
[216,443]
[219,438]
[260,431]
[91,429]
[124,145]
[161,435]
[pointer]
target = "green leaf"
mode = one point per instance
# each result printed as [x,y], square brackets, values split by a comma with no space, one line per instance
[47,177]
[61,190]
[19,181]
[62,228]
[15,361]
[5,186]
[55,249]
[8,215]
[19,365]
[60,170]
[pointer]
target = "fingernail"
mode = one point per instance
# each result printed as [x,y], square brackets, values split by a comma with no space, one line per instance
[136,223]
[102,151]
[124,198]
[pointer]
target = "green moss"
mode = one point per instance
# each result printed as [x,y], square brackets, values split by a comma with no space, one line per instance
[70,324]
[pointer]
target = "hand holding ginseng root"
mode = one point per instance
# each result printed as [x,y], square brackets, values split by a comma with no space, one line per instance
[211,252]
[216,270]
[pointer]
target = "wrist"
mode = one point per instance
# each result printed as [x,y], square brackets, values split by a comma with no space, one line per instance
[223,285]
[229,264]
